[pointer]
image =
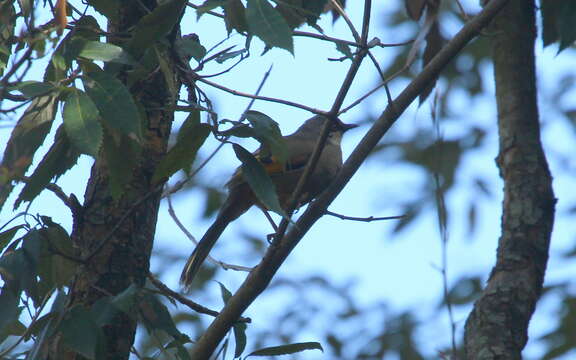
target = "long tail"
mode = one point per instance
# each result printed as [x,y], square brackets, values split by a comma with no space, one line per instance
[232,209]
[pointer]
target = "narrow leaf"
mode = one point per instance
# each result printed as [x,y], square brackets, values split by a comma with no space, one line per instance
[287,349]
[115,103]
[60,242]
[61,157]
[220,59]
[259,181]
[32,89]
[80,332]
[156,316]
[122,157]
[550,12]
[9,309]
[240,337]
[266,22]
[81,122]
[235,16]
[106,52]
[268,133]
[224,293]
[566,26]
[155,26]
[108,8]
[207,6]
[26,138]
[183,153]
[434,43]
[7,235]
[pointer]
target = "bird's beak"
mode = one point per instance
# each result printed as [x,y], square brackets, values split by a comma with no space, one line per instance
[346,127]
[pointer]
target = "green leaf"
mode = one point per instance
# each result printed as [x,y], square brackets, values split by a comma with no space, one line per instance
[207,6]
[26,138]
[122,156]
[192,120]
[220,59]
[85,28]
[46,325]
[240,337]
[268,134]
[313,10]
[106,52]
[81,123]
[235,16]
[183,153]
[287,349]
[62,268]
[105,309]
[566,26]
[190,46]
[32,89]
[16,328]
[61,157]
[344,49]
[224,293]
[108,8]
[9,309]
[81,333]
[125,300]
[558,19]
[266,22]
[115,103]
[7,235]
[155,26]
[259,181]
[17,270]
[156,316]
[162,52]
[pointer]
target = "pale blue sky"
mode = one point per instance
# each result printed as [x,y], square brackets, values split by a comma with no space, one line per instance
[398,270]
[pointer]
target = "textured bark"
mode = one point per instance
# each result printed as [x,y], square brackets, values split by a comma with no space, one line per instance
[124,257]
[498,325]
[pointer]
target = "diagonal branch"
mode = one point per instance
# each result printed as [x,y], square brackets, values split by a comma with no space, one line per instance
[347,83]
[260,277]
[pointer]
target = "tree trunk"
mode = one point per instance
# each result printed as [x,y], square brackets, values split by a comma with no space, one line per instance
[121,258]
[498,325]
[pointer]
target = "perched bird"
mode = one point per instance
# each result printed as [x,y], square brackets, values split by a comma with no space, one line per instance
[300,146]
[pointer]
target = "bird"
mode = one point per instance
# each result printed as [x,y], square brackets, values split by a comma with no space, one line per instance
[299,148]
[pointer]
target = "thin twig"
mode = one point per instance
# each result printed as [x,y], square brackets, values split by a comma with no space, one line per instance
[346,42]
[443,226]
[364,219]
[181,184]
[213,13]
[185,301]
[60,194]
[30,327]
[191,237]
[344,16]
[16,66]
[256,97]
[321,142]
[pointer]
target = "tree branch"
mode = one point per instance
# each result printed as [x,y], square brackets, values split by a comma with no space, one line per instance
[261,276]
[184,301]
[364,219]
